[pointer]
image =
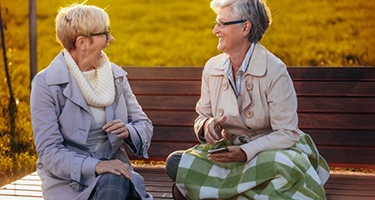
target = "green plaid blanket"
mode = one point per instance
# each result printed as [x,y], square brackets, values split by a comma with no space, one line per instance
[296,173]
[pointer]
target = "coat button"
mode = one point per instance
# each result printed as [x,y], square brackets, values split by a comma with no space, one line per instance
[249,114]
[221,112]
[249,86]
[225,86]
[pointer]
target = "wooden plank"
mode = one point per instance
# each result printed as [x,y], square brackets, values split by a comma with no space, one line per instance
[305,104]
[174,87]
[359,138]
[174,134]
[186,103]
[321,137]
[332,73]
[172,118]
[303,88]
[332,154]
[297,73]
[348,155]
[336,105]
[334,89]
[306,121]
[164,73]
[337,121]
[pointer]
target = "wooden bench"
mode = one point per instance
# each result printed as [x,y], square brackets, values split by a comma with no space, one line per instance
[336,107]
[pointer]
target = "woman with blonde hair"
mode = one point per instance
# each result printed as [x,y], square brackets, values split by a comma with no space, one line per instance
[84,114]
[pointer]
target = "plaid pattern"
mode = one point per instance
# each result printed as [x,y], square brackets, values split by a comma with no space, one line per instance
[296,173]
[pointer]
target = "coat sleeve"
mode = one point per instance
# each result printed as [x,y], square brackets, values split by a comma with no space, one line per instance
[53,156]
[203,106]
[139,125]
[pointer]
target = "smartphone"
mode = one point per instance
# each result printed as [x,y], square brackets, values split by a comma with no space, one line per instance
[219,150]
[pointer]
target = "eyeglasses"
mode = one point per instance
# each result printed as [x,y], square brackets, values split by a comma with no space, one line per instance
[106,33]
[221,24]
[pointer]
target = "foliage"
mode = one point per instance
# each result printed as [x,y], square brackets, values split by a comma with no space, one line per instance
[177,33]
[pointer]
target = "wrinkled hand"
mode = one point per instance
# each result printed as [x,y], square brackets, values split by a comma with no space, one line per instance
[234,154]
[114,167]
[117,127]
[227,135]
[212,129]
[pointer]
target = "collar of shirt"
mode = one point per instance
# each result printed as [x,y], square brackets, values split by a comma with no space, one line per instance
[237,85]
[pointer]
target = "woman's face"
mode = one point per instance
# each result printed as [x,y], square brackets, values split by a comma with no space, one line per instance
[100,41]
[229,35]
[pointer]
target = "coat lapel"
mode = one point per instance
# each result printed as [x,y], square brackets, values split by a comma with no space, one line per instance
[256,68]
[59,75]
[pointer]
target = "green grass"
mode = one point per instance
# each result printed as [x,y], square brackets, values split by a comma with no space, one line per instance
[177,33]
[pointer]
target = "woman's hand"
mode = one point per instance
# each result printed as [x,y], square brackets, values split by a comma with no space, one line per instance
[234,154]
[212,129]
[117,127]
[227,135]
[114,167]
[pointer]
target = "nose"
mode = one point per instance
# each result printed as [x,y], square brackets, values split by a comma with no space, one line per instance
[110,37]
[215,30]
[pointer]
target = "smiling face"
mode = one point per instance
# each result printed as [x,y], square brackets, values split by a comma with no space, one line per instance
[230,36]
[89,49]
[94,50]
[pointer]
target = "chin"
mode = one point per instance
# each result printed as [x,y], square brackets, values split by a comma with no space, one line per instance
[220,47]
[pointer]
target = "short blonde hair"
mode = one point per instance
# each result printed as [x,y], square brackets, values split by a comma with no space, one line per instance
[79,20]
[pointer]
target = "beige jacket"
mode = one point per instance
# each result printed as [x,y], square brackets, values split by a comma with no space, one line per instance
[268,112]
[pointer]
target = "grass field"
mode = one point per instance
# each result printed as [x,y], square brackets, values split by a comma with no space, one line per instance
[177,33]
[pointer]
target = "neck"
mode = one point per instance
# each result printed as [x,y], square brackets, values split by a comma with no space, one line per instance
[238,57]
[79,58]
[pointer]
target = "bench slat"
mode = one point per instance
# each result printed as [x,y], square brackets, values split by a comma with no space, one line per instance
[334,89]
[303,88]
[305,104]
[297,73]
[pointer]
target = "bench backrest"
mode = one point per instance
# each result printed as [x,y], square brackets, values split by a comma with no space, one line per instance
[336,106]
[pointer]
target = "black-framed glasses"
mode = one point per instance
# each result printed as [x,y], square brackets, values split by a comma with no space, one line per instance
[106,33]
[221,24]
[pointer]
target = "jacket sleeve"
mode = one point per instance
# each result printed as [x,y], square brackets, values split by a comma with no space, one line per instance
[203,106]
[139,125]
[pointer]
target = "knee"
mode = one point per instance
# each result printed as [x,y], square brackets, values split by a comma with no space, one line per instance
[111,186]
[109,180]
[172,162]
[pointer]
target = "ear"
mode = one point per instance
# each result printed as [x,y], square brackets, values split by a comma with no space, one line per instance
[81,43]
[246,28]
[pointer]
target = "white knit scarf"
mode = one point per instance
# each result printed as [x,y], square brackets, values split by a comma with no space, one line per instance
[97,85]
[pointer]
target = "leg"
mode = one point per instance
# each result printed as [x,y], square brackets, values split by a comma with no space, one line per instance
[110,187]
[172,163]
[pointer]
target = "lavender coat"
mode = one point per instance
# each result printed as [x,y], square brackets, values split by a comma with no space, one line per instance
[61,121]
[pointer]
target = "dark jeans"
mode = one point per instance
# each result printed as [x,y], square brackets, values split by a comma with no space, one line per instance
[172,163]
[112,187]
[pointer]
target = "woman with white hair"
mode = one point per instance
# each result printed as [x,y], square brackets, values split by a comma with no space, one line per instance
[247,121]
[84,114]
